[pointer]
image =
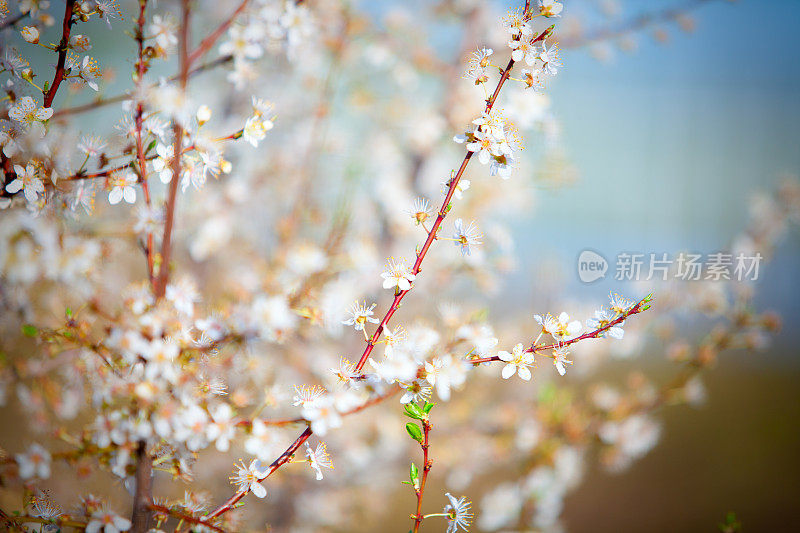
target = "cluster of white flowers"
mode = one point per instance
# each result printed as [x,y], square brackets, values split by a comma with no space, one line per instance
[493,139]
[272,26]
[249,293]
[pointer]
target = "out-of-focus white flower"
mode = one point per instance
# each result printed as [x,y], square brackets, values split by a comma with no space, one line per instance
[632,438]
[445,373]
[164,31]
[500,507]
[91,145]
[305,395]
[241,43]
[261,441]
[203,114]
[183,294]
[273,317]
[550,8]
[35,463]
[107,522]
[400,368]
[257,126]
[322,414]
[148,219]
[222,428]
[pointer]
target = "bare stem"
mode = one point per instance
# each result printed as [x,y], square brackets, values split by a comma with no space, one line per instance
[62,53]
[141,68]
[177,132]
[427,464]
[141,517]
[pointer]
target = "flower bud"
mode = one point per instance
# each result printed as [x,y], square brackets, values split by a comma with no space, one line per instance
[30,34]
[80,43]
[203,114]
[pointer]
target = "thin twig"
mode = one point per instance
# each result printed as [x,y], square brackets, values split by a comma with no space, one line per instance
[426,467]
[177,132]
[638,23]
[206,44]
[97,104]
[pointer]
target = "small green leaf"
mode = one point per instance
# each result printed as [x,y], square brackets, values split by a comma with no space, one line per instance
[68,312]
[414,431]
[413,474]
[428,407]
[29,331]
[412,410]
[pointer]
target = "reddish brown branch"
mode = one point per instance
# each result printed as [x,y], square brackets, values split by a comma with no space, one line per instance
[284,458]
[177,132]
[427,464]
[432,234]
[185,517]
[141,516]
[594,334]
[62,53]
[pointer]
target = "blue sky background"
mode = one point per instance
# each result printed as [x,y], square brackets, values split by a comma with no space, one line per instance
[672,140]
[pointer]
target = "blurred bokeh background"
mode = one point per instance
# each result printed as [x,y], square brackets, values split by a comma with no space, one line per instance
[668,143]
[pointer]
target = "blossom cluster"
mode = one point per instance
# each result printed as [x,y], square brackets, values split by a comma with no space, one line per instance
[197,281]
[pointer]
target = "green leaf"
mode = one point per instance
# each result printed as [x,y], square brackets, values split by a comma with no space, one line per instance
[428,407]
[413,474]
[412,410]
[68,312]
[29,331]
[414,431]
